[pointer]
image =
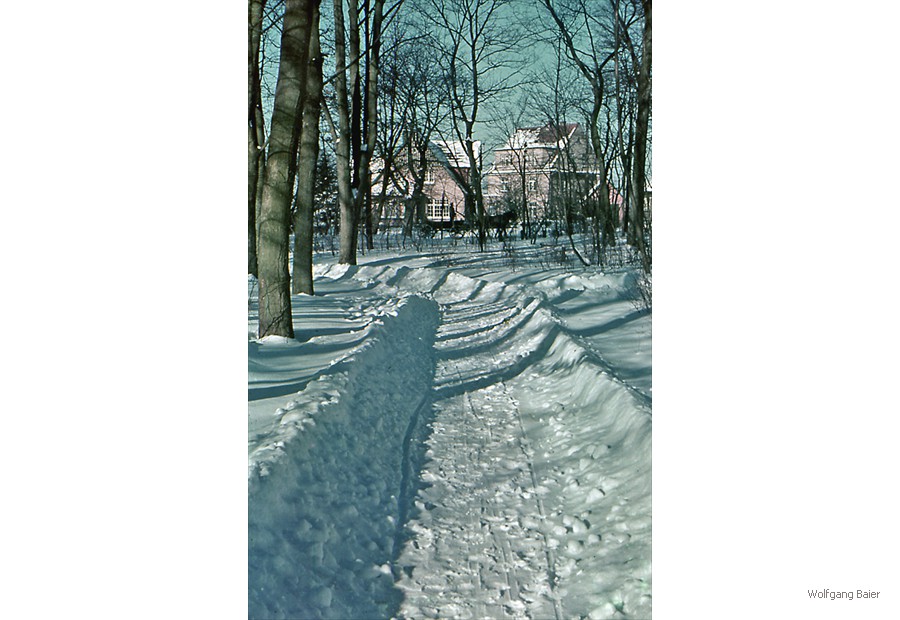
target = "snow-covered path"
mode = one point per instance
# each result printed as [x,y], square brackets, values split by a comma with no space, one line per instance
[469,544]
[466,454]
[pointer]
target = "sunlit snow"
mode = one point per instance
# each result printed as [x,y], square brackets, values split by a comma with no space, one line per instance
[453,435]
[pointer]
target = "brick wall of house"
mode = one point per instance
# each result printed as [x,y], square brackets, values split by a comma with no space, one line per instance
[445,199]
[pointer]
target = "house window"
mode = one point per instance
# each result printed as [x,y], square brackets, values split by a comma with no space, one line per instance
[532,184]
[504,184]
[437,210]
[429,176]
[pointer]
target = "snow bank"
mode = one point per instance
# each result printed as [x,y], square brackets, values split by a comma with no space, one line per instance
[531,497]
[590,436]
[324,505]
[587,437]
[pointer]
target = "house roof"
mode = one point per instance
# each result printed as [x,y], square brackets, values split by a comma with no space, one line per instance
[548,136]
[452,153]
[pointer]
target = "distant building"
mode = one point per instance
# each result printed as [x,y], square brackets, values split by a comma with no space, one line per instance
[445,197]
[539,168]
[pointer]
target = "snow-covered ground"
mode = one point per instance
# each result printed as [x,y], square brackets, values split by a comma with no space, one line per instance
[453,435]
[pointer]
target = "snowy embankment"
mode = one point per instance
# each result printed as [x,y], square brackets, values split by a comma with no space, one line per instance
[477,444]
[324,484]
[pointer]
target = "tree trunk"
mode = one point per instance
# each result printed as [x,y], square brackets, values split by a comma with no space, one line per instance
[281,164]
[415,204]
[624,150]
[354,136]
[640,143]
[253,180]
[260,175]
[601,208]
[370,119]
[306,168]
[341,136]
[255,130]
[479,207]
[378,211]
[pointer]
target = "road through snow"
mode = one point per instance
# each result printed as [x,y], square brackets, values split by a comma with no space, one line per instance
[466,455]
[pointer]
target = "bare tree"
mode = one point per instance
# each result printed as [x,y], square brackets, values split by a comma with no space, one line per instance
[302,281]
[564,102]
[515,166]
[354,102]
[625,95]
[421,88]
[281,165]
[256,129]
[394,112]
[477,46]
[594,34]
[641,140]
[591,54]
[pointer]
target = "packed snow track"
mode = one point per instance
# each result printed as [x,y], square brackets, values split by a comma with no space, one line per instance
[466,450]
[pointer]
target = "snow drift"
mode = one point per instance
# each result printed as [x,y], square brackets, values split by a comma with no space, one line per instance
[477,444]
[324,502]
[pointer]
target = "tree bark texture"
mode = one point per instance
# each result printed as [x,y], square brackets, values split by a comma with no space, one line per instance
[306,168]
[356,107]
[255,129]
[370,118]
[274,225]
[640,143]
[341,135]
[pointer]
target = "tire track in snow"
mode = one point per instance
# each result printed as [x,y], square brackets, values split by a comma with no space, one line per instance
[482,481]
[482,543]
[528,453]
[487,534]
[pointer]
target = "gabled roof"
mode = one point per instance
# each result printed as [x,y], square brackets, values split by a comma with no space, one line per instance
[452,153]
[549,136]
